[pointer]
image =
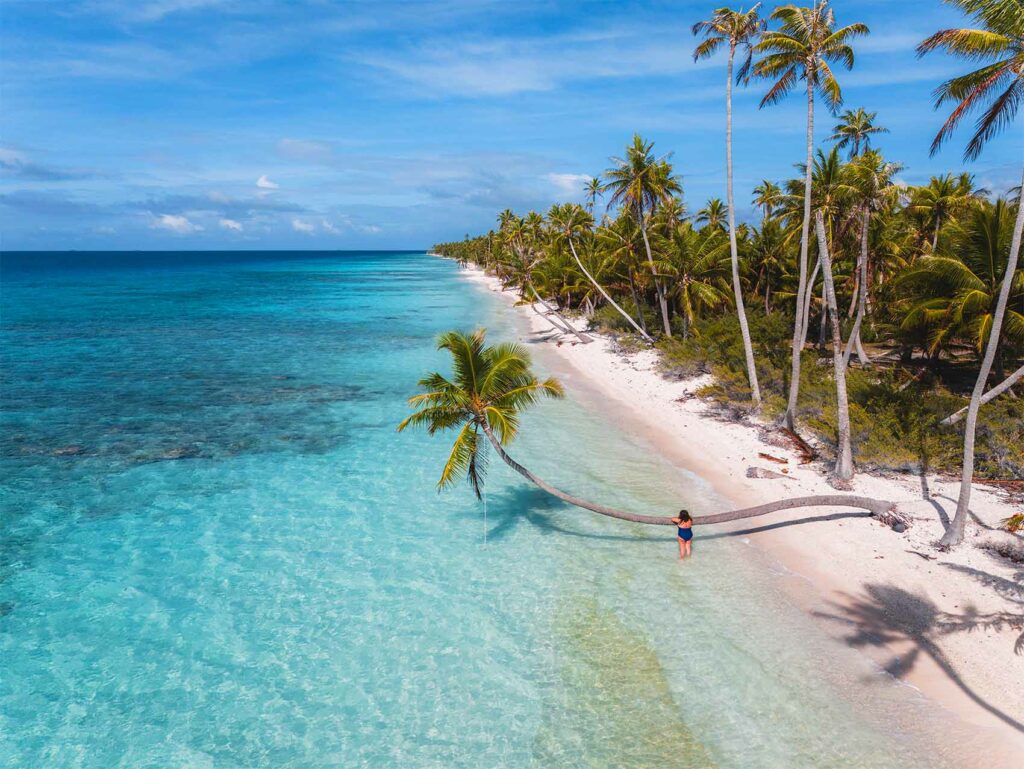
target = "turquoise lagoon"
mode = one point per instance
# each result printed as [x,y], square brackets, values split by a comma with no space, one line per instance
[215,550]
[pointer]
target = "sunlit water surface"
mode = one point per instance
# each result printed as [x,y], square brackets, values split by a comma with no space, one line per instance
[217,552]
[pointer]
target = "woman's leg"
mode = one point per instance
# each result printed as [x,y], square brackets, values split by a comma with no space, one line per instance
[682,548]
[689,546]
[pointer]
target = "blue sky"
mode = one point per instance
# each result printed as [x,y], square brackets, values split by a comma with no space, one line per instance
[181,124]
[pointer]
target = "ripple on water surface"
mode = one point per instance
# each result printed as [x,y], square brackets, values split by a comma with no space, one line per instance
[215,550]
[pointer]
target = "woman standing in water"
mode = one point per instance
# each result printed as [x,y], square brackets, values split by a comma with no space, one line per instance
[684,533]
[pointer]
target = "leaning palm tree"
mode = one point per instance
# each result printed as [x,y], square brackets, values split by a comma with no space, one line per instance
[997,87]
[803,49]
[568,221]
[483,399]
[739,30]
[955,533]
[639,182]
[855,129]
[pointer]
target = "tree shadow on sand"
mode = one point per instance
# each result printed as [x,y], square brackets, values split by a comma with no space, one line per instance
[886,614]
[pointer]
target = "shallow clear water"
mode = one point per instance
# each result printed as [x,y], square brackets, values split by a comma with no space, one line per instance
[215,551]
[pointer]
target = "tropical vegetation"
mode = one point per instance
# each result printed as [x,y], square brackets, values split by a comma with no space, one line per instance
[872,317]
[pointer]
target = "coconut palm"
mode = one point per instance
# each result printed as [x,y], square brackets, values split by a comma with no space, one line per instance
[619,240]
[804,48]
[855,129]
[767,195]
[490,387]
[739,30]
[963,290]
[696,261]
[713,215]
[843,468]
[568,221]
[593,190]
[997,87]
[639,182]
[943,198]
[871,181]
[955,533]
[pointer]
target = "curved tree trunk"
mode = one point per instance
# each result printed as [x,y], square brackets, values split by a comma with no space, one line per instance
[877,507]
[799,327]
[737,288]
[996,391]
[955,533]
[552,311]
[844,453]
[605,294]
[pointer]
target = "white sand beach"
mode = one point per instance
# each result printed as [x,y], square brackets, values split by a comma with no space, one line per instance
[943,622]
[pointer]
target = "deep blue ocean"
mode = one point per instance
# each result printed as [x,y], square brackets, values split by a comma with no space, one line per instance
[216,551]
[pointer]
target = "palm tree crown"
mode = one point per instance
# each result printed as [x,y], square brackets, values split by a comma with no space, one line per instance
[488,389]
[738,29]
[855,129]
[998,86]
[802,49]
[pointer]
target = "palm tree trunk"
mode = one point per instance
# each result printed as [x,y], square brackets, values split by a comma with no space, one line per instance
[658,287]
[862,272]
[844,454]
[825,312]
[636,301]
[955,533]
[877,507]
[808,296]
[799,332]
[995,392]
[737,288]
[605,294]
[552,311]
[935,235]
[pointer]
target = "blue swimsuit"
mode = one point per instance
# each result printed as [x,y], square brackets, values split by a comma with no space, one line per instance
[685,534]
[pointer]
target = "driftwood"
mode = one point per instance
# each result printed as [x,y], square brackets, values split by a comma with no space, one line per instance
[770,458]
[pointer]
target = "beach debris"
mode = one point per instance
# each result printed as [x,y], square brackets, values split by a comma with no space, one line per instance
[802,447]
[923,555]
[761,472]
[770,458]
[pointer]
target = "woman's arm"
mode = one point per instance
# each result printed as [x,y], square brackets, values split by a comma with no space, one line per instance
[677,522]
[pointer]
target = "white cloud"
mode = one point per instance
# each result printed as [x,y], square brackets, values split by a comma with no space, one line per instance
[569,185]
[304,227]
[174,223]
[231,224]
[265,184]
[328,227]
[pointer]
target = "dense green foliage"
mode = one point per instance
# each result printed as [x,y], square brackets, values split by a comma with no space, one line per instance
[917,269]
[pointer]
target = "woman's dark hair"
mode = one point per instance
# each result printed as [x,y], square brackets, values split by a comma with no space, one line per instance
[684,515]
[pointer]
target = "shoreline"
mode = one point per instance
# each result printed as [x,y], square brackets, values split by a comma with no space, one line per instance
[923,617]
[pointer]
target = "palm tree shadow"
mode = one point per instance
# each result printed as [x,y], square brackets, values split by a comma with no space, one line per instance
[887,614]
